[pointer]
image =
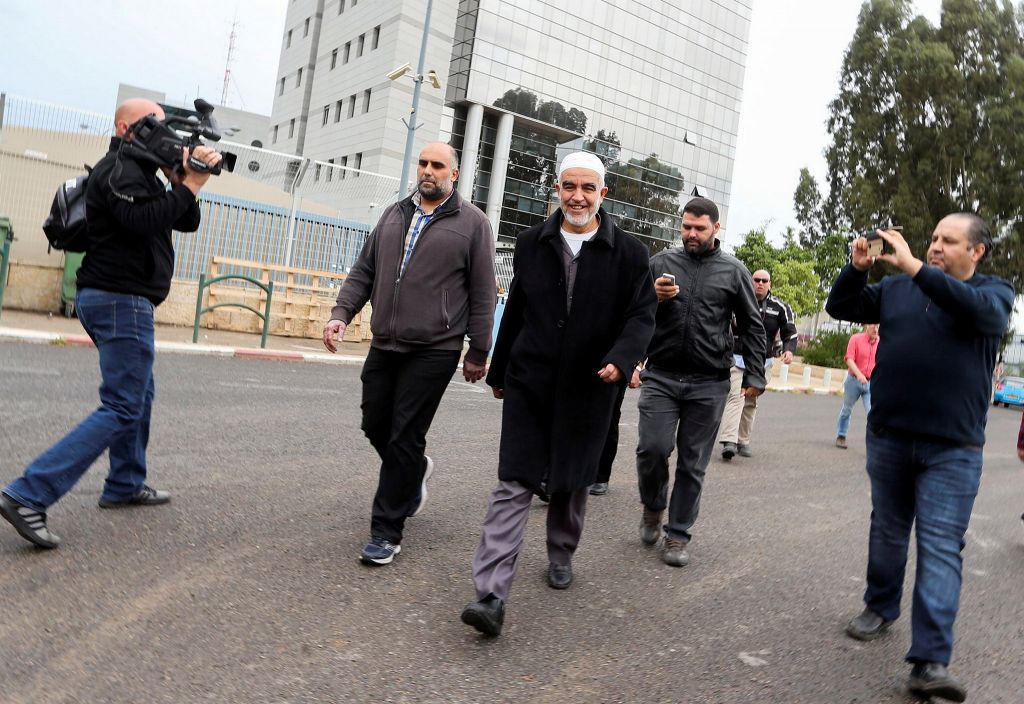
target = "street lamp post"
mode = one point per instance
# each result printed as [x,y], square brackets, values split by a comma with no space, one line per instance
[411,122]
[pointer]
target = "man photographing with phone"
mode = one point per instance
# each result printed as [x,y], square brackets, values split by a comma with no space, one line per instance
[941,324]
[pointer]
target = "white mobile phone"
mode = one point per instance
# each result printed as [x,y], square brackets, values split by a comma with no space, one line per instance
[670,277]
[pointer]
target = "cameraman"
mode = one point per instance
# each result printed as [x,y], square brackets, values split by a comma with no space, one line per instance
[941,324]
[126,273]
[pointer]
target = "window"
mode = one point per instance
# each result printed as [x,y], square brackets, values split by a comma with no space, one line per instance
[351,105]
[275,134]
[341,6]
[345,54]
[327,115]
[366,101]
[358,163]
[337,111]
[355,2]
[316,174]
[330,170]
[376,37]
[291,128]
[305,28]
[257,143]
[280,90]
[334,59]
[344,162]
[362,43]
[288,40]
[298,78]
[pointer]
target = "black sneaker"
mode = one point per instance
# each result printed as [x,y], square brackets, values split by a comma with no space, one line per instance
[148,496]
[599,488]
[30,524]
[421,501]
[867,625]
[931,679]
[728,450]
[379,551]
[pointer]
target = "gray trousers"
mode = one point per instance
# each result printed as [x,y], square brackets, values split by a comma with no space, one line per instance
[682,413]
[494,563]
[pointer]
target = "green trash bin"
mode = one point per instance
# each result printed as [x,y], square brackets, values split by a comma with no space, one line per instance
[6,237]
[69,286]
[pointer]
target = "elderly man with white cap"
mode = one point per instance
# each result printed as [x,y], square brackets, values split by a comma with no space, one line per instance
[579,315]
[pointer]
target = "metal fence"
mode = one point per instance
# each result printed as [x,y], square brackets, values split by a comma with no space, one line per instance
[275,208]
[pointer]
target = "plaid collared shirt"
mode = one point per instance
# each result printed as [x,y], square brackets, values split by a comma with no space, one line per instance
[420,219]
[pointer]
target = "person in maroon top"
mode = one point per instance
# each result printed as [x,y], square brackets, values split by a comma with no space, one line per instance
[860,360]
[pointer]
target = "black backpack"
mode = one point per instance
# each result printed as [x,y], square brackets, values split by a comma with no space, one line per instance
[66,227]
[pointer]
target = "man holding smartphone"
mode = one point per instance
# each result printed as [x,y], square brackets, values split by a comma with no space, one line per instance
[925,438]
[700,289]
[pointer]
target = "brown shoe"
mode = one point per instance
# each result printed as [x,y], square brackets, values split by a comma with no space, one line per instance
[650,527]
[674,553]
[841,442]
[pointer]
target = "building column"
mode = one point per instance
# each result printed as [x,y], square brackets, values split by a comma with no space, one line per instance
[496,188]
[470,150]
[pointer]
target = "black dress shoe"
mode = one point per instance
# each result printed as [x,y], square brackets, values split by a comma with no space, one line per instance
[486,615]
[867,626]
[931,679]
[559,576]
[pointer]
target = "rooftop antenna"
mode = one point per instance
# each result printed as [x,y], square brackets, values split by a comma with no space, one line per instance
[227,64]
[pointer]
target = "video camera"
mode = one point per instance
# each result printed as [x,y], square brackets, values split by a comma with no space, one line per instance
[161,141]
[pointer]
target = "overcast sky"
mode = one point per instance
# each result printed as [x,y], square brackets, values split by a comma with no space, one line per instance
[76,53]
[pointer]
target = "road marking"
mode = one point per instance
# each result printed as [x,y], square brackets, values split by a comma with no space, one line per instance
[464,386]
[272,387]
[979,541]
[753,661]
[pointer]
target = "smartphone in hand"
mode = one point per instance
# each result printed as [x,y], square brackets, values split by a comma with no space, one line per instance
[670,277]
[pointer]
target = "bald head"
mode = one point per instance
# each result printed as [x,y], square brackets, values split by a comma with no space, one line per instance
[131,111]
[762,283]
[434,147]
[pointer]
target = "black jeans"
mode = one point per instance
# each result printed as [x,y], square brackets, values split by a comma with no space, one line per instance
[611,443]
[401,393]
[679,413]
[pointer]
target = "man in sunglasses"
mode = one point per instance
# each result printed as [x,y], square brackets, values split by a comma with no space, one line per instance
[779,321]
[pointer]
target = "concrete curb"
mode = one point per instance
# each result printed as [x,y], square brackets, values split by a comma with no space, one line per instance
[39,337]
[49,338]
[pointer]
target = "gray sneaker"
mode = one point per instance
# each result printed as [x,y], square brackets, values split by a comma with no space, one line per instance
[650,527]
[728,450]
[744,450]
[30,524]
[674,553]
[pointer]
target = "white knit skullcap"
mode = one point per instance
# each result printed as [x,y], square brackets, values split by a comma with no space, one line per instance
[581,160]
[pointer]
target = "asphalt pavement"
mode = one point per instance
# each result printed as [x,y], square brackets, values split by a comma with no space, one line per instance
[247,587]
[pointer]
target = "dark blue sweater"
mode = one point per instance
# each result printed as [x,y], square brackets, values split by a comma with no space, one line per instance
[939,337]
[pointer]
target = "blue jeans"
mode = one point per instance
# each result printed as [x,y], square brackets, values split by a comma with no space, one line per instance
[852,391]
[121,326]
[935,484]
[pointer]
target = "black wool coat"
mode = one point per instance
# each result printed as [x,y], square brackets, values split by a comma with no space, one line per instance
[546,358]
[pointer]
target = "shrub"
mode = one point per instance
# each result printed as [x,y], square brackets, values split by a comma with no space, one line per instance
[827,350]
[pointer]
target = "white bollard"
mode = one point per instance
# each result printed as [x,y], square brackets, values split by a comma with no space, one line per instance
[784,375]
[827,381]
[807,375]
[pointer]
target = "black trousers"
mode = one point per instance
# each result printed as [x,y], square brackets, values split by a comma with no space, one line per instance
[401,393]
[611,443]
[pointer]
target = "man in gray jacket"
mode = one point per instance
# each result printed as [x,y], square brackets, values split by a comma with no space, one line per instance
[428,270]
[686,379]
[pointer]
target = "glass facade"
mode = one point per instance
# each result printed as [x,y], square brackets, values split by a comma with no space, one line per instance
[651,86]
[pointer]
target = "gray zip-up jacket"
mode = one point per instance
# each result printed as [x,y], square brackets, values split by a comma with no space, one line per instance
[448,289]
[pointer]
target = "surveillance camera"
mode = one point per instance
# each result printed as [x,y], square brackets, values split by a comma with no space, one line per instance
[434,81]
[399,72]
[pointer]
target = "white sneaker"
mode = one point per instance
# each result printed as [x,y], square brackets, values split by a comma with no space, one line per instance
[423,487]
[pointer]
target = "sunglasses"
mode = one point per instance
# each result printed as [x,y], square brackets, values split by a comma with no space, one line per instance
[762,281]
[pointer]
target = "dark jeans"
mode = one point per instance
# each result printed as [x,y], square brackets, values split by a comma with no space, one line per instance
[121,326]
[683,413]
[401,393]
[611,443]
[934,484]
